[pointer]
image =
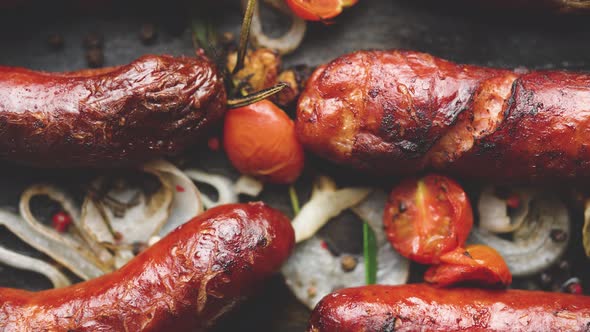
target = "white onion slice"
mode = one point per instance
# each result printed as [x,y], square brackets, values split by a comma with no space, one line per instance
[223,185]
[137,224]
[24,262]
[285,44]
[78,238]
[312,271]
[187,202]
[532,248]
[493,211]
[325,203]
[75,260]
[248,185]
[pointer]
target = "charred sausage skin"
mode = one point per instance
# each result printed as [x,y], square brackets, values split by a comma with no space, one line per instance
[418,307]
[402,112]
[184,282]
[152,107]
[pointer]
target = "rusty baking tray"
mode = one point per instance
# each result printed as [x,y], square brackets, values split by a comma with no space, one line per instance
[453,31]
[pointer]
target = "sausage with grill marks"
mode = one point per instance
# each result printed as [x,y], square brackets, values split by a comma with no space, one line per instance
[403,112]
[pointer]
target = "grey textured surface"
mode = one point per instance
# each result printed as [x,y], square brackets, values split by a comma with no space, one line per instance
[465,34]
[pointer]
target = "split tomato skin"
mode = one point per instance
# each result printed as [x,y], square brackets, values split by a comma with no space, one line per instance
[260,140]
[474,265]
[427,217]
[318,10]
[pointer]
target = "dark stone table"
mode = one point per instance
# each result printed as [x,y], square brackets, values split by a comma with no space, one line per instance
[460,33]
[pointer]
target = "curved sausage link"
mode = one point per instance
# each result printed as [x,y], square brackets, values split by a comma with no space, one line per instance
[152,107]
[402,112]
[184,282]
[425,308]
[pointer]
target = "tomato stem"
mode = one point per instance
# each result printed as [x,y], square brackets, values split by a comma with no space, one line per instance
[294,200]
[255,97]
[245,34]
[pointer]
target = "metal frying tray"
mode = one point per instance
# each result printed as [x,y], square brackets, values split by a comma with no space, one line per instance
[453,31]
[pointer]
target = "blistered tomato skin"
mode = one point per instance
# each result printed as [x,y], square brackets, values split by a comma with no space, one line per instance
[184,282]
[427,217]
[318,10]
[260,140]
[474,265]
[416,307]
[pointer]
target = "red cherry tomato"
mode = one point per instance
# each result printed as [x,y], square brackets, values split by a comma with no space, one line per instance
[61,221]
[425,218]
[260,140]
[318,10]
[477,264]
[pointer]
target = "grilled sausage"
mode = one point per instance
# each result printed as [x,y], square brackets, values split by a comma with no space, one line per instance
[402,112]
[152,107]
[425,308]
[184,282]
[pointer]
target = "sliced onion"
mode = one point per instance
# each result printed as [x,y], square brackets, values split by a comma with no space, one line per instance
[79,239]
[532,248]
[325,203]
[223,185]
[493,211]
[78,261]
[24,262]
[285,44]
[174,203]
[187,202]
[313,272]
[248,185]
[137,224]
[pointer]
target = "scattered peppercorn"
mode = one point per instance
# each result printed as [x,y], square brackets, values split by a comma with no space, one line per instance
[545,278]
[213,143]
[348,263]
[138,247]
[95,58]
[61,221]
[228,37]
[573,286]
[513,201]
[92,41]
[558,235]
[148,33]
[55,41]
[118,236]
[402,207]
[564,265]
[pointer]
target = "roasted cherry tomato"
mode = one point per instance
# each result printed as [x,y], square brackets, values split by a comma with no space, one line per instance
[318,10]
[475,265]
[425,218]
[260,140]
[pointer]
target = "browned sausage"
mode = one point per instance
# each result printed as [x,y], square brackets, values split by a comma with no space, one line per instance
[402,112]
[155,106]
[425,308]
[184,282]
